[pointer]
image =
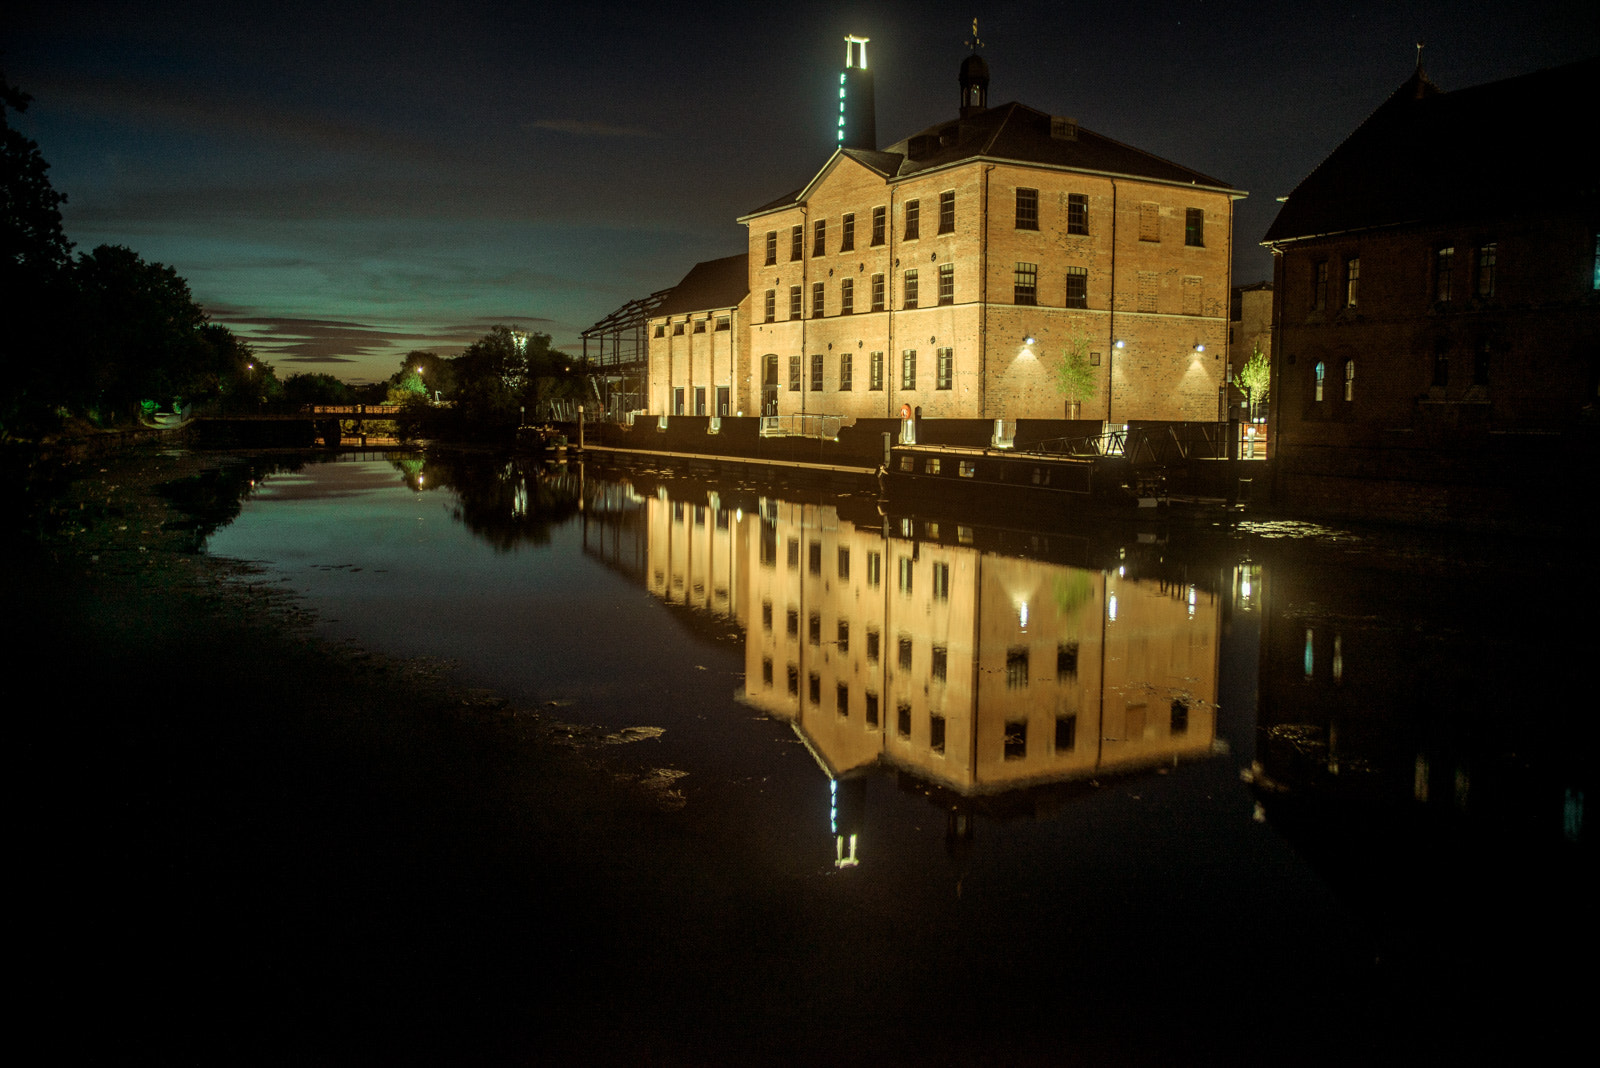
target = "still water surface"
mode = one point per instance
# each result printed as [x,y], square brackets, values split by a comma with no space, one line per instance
[1161,794]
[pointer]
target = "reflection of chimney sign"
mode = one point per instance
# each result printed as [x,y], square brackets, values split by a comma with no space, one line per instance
[857,125]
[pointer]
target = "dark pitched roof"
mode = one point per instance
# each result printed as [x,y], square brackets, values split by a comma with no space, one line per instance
[1017,132]
[1008,132]
[713,284]
[1430,156]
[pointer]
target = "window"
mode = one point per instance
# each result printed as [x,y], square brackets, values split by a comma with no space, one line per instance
[1319,286]
[772,247]
[847,234]
[1443,269]
[818,301]
[677,401]
[878,216]
[944,371]
[1486,258]
[722,323]
[794,374]
[772,305]
[794,302]
[1066,733]
[1318,373]
[846,368]
[661,330]
[797,238]
[1350,380]
[908,369]
[947,213]
[819,239]
[1179,722]
[677,329]
[847,296]
[1027,284]
[941,582]
[1016,739]
[699,326]
[816,373]
[913,219]
[1077,213]
[1077,287]
[947,283]
[1194,227]
[1352,281]
[1016,667]
[877,292]
[1149,221]
[1149,284]
[911,289]
[875,371]
[700,407]
[1027,209]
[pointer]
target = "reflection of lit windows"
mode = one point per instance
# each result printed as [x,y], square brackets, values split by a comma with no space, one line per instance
[936,734]
[844,564]
[1338,658]
[842,699]
[814,688]
[874,569]
[794,553]
[905,654]
[1067,660]
[902,724]
[1066,733]
[794,681]
[941,659]
[766,671]
[766,615]
[1016,667]
[814,629]
[941,582]
[905,575]
[814,557]
[1016,739]
[793,623]
[1310,656]
[872,709]
[1180,717]
[872,645]
[844,636]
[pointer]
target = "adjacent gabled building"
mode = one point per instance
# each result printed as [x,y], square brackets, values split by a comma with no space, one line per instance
[1437,289]
[953,271]
[698,339]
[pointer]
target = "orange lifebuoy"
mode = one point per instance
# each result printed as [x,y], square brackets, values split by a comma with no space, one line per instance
[905,411]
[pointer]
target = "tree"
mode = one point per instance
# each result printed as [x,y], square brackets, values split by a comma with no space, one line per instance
[1253,378]
[311,387]
[31,237]
[492,382]
[1075,377]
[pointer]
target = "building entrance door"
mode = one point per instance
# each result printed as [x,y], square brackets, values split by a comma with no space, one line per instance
[769,384]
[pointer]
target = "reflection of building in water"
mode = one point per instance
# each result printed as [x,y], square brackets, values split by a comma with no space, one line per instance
[977,672]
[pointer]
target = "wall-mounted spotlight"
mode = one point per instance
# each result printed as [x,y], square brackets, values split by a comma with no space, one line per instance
[1120,343]
[1029,340]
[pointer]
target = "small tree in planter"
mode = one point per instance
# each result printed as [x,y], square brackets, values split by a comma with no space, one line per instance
[1076,376]
[1253,378]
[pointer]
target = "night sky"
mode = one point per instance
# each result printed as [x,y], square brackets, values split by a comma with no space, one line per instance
[343,182]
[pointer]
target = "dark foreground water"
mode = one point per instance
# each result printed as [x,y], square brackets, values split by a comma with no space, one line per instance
[976,787]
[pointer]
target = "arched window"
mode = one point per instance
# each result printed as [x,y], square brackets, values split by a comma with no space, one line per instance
[1320,371]
[1350,380]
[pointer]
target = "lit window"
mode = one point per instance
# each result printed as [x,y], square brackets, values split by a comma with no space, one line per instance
[1486,269]
[1352,281]
[1318,372]
[1350,380]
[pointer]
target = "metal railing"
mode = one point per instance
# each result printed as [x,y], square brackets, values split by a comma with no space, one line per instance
[801,426]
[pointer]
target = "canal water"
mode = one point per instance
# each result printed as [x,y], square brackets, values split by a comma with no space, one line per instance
[977,787]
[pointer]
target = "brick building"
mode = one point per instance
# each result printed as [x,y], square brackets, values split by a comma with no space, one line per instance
[953,271]
[1437,286]
[698,340]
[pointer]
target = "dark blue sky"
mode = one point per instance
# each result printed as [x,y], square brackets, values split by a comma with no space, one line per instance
[342,182]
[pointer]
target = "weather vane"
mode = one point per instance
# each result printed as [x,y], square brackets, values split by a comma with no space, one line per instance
[975,43]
